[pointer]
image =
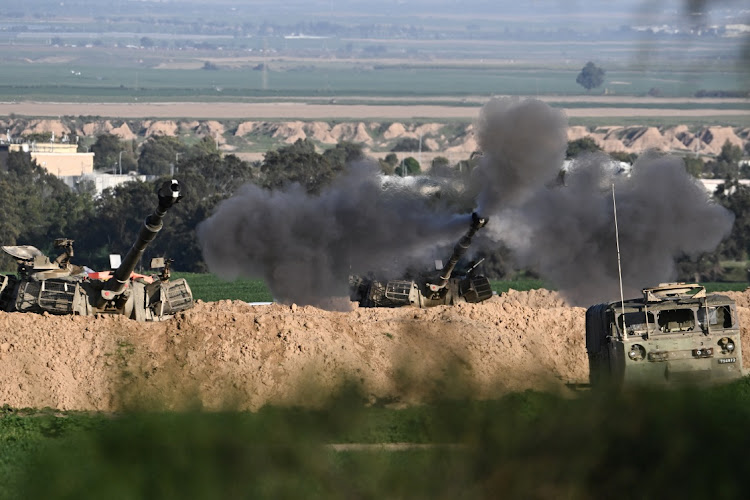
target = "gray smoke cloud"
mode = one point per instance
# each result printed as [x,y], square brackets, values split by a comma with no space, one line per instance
[523,144]
[306,246]
[567,233]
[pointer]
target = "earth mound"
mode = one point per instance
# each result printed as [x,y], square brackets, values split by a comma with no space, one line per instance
[234,355]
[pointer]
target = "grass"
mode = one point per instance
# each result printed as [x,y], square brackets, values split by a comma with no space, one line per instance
[23,432]
[210,288]
[527,445]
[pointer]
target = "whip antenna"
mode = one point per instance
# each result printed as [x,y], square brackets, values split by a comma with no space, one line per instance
[619,266]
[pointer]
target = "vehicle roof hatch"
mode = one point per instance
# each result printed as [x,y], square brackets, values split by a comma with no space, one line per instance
[667,291]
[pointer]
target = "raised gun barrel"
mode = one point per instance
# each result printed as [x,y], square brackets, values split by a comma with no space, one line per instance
[169,194]
[459,250]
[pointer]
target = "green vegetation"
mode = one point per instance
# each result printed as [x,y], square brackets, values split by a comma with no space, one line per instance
[210,288]
[37,212]
[111,82]
[693,122]
[591,76]
[527,445]
[23,432]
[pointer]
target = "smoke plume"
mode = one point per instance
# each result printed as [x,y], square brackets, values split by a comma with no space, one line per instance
[306,246]
[567,233]
[523,144]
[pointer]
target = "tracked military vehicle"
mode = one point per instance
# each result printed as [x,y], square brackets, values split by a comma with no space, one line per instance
[674,334]
[59,287]
[443,287]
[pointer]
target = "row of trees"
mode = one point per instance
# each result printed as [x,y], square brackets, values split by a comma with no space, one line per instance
[726,165]
[38,207]
[158,155]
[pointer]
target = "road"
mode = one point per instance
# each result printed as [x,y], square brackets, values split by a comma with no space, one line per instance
[303,111]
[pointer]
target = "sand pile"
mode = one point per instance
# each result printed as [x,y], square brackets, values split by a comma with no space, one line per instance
[161,127]
[230,353]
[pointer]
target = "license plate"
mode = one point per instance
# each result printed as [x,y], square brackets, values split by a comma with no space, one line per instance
[727,360]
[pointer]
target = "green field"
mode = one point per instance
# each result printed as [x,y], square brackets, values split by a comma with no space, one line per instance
[111,82]
[210,288]
[642,444]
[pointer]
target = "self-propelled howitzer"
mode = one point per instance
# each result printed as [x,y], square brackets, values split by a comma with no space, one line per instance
[443,287]
[59,287]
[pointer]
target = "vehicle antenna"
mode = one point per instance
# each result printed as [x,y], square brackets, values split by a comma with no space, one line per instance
[619,266]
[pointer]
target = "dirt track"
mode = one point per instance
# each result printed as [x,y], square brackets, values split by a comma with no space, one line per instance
[233,355]
[300,111]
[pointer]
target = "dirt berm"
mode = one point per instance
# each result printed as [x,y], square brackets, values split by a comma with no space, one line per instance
[235,356]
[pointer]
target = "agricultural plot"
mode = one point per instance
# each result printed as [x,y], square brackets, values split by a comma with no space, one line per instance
[209,288]
[84,82]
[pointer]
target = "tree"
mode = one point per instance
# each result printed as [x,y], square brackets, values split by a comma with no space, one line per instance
[388,164]
[408,144]
[409,166]
[298,162]
[440,163]
[206,146]
[37,207]
[730,153]
[726,165]
[624,157]
[591,76]
[694,166]
[736,197]
[159,155]
[106,151]
[114,226]
[344,153]
[583,145]
[38,137]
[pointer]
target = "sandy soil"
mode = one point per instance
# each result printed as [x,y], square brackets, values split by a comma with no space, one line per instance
[230,354]
[300,111]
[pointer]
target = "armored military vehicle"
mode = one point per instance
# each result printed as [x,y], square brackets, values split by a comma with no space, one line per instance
[674,334]
[430,289]
[59,287]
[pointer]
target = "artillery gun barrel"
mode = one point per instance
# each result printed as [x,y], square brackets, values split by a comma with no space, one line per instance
[169,194]
[459,250]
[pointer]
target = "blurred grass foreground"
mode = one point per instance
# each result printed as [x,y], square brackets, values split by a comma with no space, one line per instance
[681,444]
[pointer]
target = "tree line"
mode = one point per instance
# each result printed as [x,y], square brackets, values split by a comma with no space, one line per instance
[38,207]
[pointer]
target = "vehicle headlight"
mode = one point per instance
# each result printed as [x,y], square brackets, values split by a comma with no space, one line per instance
[726,344]
[637,352]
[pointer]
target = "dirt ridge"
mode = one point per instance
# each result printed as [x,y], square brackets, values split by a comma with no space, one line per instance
[448,138]
[232,354]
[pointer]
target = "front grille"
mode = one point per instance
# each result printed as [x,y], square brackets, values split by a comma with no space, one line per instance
[178,297]
[475,289]
[57,296]
[398,291]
